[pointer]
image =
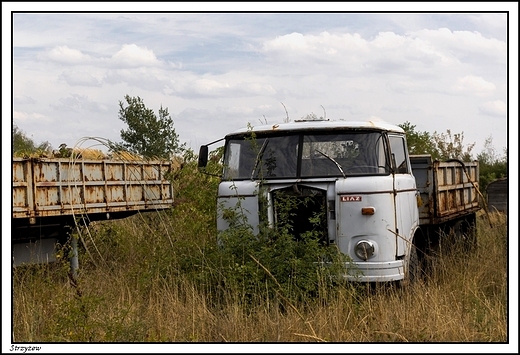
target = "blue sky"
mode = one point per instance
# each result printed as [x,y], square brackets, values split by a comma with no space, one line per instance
[217,72]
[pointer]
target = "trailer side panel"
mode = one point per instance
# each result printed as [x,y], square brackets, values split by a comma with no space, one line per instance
[62,187]
[448,190]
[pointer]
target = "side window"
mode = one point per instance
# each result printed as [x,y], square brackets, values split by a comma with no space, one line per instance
[232,165]
[398,149]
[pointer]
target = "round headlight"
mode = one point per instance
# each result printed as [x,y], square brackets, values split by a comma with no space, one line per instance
[364,249]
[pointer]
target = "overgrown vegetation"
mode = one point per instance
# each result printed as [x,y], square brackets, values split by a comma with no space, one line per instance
[25,146]
[169,276]
[492,166]
[162,277]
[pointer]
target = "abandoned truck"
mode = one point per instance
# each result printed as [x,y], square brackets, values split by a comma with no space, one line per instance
[50,195]
[384,209]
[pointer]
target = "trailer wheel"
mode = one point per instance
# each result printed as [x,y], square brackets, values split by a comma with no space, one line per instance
[469,235]
[465,235]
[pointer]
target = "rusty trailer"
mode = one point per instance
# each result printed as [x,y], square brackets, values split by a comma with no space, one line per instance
[62,187]
[447,189]
[51,194]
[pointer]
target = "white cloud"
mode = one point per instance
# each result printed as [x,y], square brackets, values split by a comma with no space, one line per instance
[496,108]
[388,40]
[140,78]
[475,85]
[235,84]
[293,41]
[257,88]
[79,103]
[209,85]
[422,49]
[129,56]
[325,46]
[64,54]
[30,118]
[494,21]
[82,77]
[350,54]
[23,100]
[132,55]
[237,69]
[468,46]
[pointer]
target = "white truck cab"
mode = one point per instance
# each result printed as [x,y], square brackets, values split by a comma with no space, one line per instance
[359,173]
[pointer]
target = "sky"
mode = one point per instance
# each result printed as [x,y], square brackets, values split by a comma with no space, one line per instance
[442,67]
[218,72]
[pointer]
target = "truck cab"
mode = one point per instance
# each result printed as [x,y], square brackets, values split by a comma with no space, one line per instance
[356,174]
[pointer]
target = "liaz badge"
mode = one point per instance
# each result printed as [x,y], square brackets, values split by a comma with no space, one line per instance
[345,198]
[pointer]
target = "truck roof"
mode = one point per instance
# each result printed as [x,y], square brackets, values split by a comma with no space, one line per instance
[303,125]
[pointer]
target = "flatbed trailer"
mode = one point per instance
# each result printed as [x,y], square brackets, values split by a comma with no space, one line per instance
[51,194]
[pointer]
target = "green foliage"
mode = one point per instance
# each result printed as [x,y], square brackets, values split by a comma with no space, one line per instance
[275,262]
[147,134]
[441,146]
[491,165]
[25,146]
[20,141]
[418,142]
[452,147]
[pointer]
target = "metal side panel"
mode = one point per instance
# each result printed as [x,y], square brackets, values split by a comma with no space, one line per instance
[238,200]
[455,189]
[57,187]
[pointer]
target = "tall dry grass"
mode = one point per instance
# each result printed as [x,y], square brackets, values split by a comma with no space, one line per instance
[463,300]
[145,279]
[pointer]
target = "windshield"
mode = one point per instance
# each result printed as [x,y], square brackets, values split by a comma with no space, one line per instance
[305,155]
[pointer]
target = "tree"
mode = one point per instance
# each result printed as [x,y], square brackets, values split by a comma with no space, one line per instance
[452,147]
[418,142]
[23,145]
[491,166]
[148,135]
[441,146]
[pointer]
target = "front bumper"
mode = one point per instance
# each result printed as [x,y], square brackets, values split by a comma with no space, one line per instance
[375,271]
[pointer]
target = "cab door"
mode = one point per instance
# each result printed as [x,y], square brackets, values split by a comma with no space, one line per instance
[404,193]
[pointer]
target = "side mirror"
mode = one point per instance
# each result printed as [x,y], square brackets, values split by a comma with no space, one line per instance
[203,156]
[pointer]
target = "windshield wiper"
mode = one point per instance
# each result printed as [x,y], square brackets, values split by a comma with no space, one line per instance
[258,158]
[334,161]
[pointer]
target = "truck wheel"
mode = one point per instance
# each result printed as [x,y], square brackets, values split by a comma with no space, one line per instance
[412,269]
[413,266]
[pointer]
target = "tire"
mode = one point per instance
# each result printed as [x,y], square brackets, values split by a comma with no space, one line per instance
[412,269]
[469,236]
[470,230]
[465,235]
